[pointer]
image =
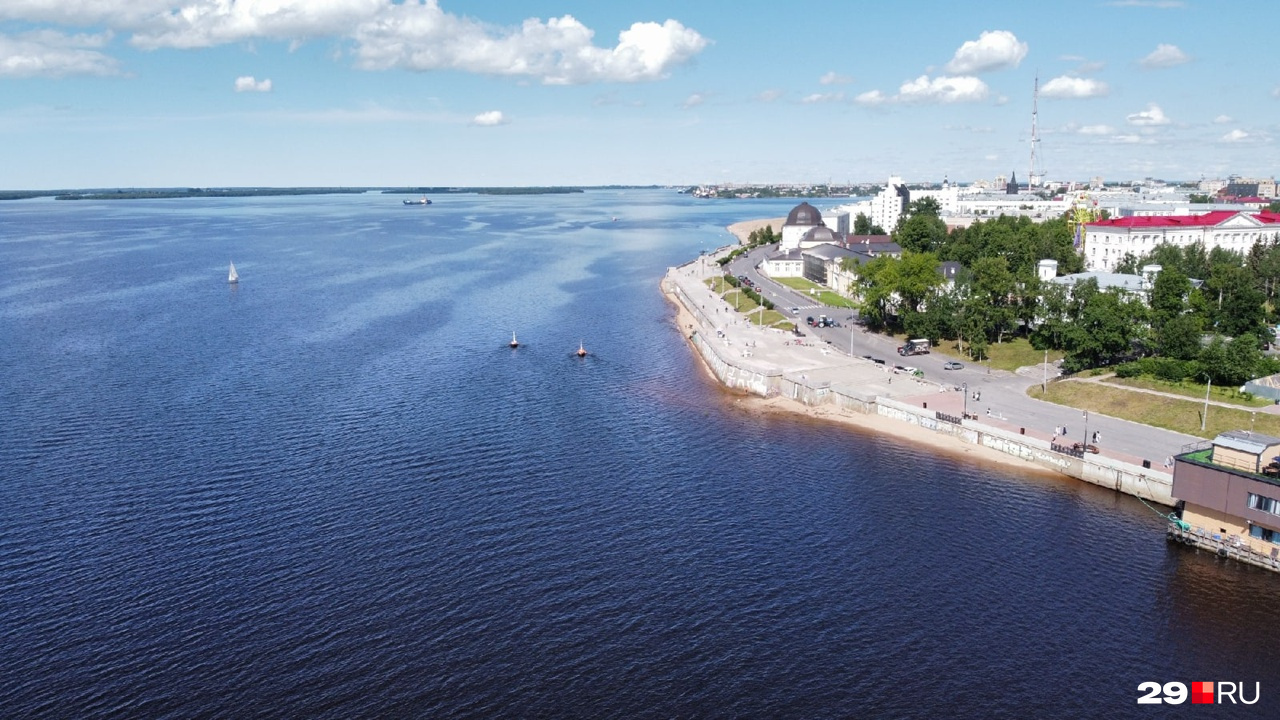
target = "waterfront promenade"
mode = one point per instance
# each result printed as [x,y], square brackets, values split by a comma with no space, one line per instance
[829,380]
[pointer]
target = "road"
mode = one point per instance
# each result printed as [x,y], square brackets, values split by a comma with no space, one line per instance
[1001,395]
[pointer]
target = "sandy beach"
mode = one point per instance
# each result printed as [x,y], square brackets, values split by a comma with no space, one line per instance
[743,229]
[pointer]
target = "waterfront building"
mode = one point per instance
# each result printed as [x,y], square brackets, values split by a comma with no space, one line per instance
[1228,492]
[1106,242]
[802,219]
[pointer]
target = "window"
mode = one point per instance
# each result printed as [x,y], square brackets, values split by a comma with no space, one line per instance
[1263,503]
[1262,533]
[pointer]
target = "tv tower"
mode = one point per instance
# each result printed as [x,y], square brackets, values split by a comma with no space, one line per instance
[1033,178]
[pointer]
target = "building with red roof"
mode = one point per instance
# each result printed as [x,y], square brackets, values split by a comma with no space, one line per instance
[1106,242]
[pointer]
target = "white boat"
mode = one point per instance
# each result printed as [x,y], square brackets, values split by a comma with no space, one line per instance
[233,277]
[423,201]
[514,343]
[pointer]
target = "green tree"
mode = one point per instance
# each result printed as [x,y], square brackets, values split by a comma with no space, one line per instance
[993,289]
[924,206]
[921,232]
[1106,329]
[862,225]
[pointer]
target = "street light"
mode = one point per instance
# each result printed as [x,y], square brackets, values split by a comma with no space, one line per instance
[964,387]
[1204,416]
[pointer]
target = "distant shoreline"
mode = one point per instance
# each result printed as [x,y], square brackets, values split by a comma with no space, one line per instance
[235,192]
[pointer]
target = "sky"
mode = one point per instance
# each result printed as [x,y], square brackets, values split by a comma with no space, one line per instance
[215,93]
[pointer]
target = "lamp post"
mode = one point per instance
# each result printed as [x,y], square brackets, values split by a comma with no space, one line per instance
[1205,415]
[1086,430]
[1044,384]
[964,387]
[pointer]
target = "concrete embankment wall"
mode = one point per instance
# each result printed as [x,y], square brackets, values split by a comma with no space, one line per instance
[742,374]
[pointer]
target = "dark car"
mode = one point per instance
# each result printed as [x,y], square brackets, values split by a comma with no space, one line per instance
[809,320]
[952,365]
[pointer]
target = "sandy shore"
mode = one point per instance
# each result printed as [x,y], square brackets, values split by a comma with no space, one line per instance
[742,229]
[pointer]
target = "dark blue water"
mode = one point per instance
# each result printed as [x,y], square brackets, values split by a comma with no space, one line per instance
[333,492]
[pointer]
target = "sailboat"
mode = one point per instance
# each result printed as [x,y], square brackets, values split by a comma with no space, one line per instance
[233,277]
[582,352]
[514,343]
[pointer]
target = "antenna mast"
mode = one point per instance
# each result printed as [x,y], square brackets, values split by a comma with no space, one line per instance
[1032,178]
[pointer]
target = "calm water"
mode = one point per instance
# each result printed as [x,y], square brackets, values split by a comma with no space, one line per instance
[334,493]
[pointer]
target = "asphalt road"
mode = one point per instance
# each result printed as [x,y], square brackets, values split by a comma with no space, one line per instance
[1001,393]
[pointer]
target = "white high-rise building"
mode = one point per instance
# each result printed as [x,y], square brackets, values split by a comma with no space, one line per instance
[889,205]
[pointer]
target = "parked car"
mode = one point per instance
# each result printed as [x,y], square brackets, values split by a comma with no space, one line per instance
[952,365]
[795,311]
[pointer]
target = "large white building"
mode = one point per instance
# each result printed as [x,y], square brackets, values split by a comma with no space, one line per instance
[1106,242]
[888,207]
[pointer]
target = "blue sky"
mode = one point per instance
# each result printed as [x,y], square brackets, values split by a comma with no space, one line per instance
[101,93]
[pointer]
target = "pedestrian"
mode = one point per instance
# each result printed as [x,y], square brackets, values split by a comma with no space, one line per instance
[1064,431]
[988,412]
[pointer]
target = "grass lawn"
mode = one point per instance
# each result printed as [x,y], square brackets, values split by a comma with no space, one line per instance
[1009,355]
[1194,391]
[1178,415]
[821,294]
[747,307]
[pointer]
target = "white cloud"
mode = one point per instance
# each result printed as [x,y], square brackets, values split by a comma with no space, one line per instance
[694,100]
[46,53]
[247,83]
[872,97]
[1236,135]
[1164,56]
[822,98]
[1275,92]
[993,50]
[559,51]
[1074,87]
[769,96]
[388,34]
[1153,115]
[943,90]
[834,78]
[489,119]
[1222,119]
[1096,130]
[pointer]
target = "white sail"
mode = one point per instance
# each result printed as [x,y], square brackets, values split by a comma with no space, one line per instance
[233,276]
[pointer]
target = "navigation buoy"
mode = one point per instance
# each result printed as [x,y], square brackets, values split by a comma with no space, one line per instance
[514,343]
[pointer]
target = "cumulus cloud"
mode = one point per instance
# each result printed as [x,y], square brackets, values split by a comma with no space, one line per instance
[769,96]
[694,100]
[872,97]
[247,83]
[413,35]
[1153,115]
[822,98]
[47,53]
[1164,56]
[558,51]
[1074,87]
[943,90]
[1096,130]
[834,78]
[993,50]
[940,90]
[1236,135]
[489,119]
[1222,119]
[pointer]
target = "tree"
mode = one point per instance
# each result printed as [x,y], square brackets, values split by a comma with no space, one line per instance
[992,291]
[1105,330]
[862,225]
[921,232]
[925,206]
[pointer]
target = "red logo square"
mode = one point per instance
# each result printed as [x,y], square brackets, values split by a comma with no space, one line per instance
[1202,693]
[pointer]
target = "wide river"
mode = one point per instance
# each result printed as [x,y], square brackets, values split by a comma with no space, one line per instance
[334,492]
